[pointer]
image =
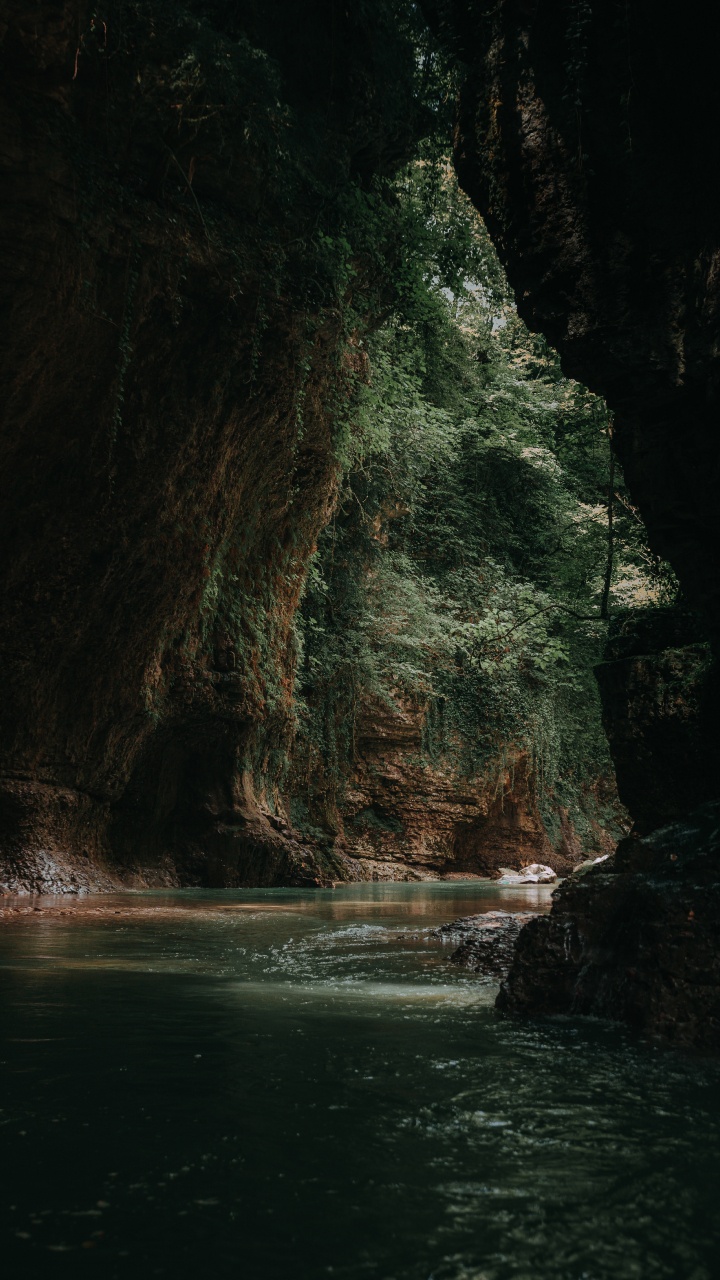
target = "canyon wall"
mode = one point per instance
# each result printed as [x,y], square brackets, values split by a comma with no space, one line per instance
[403,815]
[586,135]
[174,367]
[177,185]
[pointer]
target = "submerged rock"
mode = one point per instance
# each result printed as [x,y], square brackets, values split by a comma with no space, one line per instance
[487,941]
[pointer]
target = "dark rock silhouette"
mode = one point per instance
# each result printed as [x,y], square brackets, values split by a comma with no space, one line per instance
[586,137]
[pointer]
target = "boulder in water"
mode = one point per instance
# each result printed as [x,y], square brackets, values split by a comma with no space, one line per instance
[538,873]
[487,941]
[535,873]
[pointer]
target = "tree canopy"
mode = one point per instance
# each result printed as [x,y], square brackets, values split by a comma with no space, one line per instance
[471,561]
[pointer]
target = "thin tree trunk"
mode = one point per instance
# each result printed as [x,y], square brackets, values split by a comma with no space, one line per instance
[605,600]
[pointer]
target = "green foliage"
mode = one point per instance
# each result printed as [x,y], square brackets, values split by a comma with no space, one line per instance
[463,570]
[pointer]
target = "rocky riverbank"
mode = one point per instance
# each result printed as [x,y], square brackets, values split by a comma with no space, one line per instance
[634,938]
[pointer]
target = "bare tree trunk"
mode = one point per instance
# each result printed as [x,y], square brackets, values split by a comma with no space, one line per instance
[605,599]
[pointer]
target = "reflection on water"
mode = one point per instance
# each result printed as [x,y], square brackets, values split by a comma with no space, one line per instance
[277,1083]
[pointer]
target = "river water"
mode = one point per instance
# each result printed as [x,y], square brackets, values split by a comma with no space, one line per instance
[291,1084]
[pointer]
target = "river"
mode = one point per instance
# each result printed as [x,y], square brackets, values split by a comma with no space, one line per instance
[290,1085]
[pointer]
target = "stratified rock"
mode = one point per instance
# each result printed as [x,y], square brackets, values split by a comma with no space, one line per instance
[634,939]
[404,816]
[487,941]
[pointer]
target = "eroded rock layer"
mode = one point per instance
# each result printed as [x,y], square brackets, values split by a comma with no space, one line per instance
[405,816]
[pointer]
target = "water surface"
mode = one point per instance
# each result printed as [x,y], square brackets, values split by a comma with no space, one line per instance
[288,1083]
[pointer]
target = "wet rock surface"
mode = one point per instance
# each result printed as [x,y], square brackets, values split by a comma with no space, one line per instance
[660,699]
[635,938]
[487,941]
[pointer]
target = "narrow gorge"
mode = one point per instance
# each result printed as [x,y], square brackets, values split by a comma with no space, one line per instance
[311,546]
[359,481]
[359,774]
[210,237]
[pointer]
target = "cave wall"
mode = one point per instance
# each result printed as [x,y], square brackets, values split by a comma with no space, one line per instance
[173,360]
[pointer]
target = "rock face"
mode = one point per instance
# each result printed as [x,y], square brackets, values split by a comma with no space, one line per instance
[403,817]
[659,694]
[582,138]
[172,348]
[636,938]
[487,941]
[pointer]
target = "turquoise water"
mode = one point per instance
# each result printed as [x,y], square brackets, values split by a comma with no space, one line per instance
[283,1083]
